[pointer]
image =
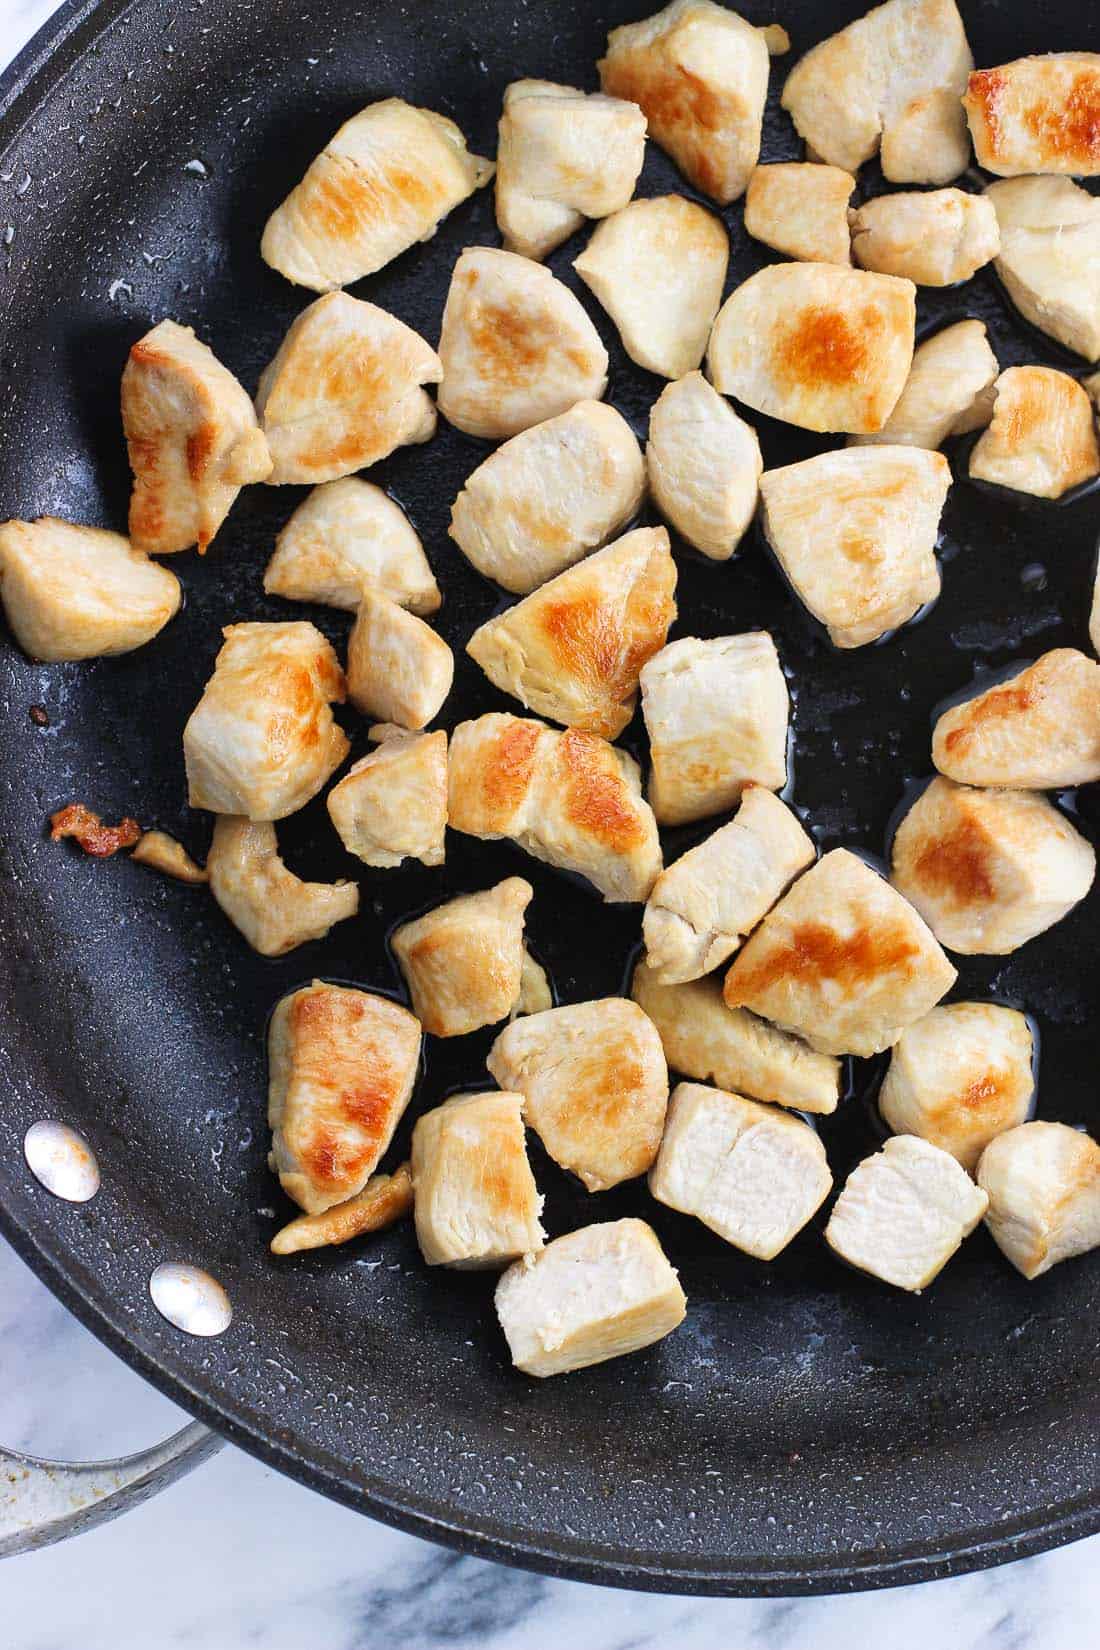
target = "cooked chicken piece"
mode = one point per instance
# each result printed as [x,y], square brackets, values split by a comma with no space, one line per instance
[700,75]
[933,237]
[274,910]
[842,959]
[392,804]
[78,822]
[568,798]
[162,852]
[344,535]
[477,1204]
[959,1077]
[704,904]
[988,870]
[716,712]
[549,496]
[855,532]
[802,210]
[516,346]
[78,593]
[1094,614]
[384,1199]
[594,1084]
[399,669]
[658,268]
[344,391]
[192,437]
[1043,436]
[574,650]
[591,1295]
[904,1212]
[754,1174]
[262,740]
[816,345]
[535,995]
[563,155]
[732,1048]
[894,76]
[1043,1184]
[1039,730]
[463,961]
[704,466]
[383,182]
[1050,244]
[1037,114]
[948,391]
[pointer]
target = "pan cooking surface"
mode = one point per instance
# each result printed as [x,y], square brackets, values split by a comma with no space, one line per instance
[807,1428]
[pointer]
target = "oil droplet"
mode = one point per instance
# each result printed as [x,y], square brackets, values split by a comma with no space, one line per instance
[1033,576]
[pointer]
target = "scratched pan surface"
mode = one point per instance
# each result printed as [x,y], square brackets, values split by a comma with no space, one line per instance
[807,1429]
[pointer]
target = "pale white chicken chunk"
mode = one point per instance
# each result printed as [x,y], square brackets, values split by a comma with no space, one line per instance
[855,532]
[594,1084]
[989,869]
[463,961]
[904,1212]
[704,466]
[928,142]
[476,1202]
[384,1199]
[819,346]
[948,392]
[802,210]
[1050,252]
[274,910]
[516,346]
[658,268]
[563,155]
[754,1174]
[932,237]
[344,390]
[1039,730]
[1043,1184]
[392,803]
[78,592]
[399,669]
[1042,439]
[546,498]
[342,1068]
[594,1294]
[1094,613]
[163,853]
[959,1077]
[262,739]
[347,534]
[574,649]
[1037,114]
[843,960]
[383,182]
[716,712]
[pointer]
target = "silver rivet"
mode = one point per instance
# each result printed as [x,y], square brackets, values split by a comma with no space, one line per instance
[62,1161]
[190,1298]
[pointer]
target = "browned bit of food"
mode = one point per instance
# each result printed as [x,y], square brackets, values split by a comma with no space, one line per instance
[384,1199]
[39,716]
[163,853]
[97,839]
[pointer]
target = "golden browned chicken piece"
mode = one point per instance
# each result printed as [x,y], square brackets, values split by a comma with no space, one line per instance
[476,1202]
[392,803]
[1043,1184]
[1039,730]
[933,237]
[399,669]
[802,210]
[345,535]
[1042,439]
[274,910]
[1037,114]
[163,853]
[463,961]
[704,466]
[384,1199]
[948,392]
[1050,244]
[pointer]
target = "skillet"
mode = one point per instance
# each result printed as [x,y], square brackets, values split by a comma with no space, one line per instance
[807,1430]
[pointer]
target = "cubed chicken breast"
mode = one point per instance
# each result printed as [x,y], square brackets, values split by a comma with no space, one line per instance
[1050,247]
[1037,114]
[546,498]
[594,1084]
[658,268]
[904,1212]
[384,1199]
[704,466]
[345,535]
[574,649]
[568,798]
[843,960]
[399,669]
[463,961]
[1094,612]
[563,155]
[754,1174]
[855,532]
[1039,730]
[392,804]
[704,1039]
[801,210]
[342,1068]
[1043,1184]
[700,75]
[516,346]
[716,712]
[274,910]
[383,182]
[895,77]
[948,392]
[988,870]
[932,237]
[262,739]
[476,1202]
[78,592]
[598,1293]
[344,391]
[959,1077]
[816,345]
[1042,439]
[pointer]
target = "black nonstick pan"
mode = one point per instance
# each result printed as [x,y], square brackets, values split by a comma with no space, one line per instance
[807,1429]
